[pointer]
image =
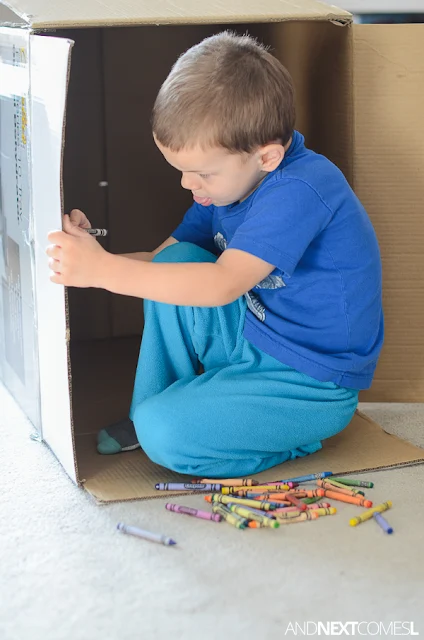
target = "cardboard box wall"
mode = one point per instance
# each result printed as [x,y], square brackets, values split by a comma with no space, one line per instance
[360,97]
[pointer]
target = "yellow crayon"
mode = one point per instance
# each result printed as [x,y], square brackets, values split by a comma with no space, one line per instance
[367,515]
[250,515]
[231,482]
[326,511]
[257,488]
[305,515]
[265,506]
[232,518]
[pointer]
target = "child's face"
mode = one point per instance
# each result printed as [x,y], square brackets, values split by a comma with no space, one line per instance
[216,176]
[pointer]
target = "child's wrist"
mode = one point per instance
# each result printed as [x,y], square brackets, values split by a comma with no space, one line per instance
[104,271]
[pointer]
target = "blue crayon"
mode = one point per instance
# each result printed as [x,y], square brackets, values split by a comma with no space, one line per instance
[382,522]
[182,486]
[309,478]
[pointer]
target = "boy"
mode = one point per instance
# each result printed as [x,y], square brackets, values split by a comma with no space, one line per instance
[272,281]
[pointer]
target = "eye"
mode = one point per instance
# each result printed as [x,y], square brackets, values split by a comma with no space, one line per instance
[204,175]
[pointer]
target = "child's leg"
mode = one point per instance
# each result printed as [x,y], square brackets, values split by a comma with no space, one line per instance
[175,339]
[241,419]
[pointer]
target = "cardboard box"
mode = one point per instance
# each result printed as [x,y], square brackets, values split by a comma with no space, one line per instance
[69,357]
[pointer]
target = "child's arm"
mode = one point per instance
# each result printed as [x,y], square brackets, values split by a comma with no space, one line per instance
[78,260]
[147,256]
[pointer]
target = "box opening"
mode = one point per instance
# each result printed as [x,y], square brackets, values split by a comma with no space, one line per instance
[115,174]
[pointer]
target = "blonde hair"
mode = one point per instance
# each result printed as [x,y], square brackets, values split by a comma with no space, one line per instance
[226,91]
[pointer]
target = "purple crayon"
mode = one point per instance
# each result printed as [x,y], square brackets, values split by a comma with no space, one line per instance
[197,513]
[382,522]
[181,486]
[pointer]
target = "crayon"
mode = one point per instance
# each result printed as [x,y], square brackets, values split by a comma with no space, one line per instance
[340,486]
[291,485]
[330,511]
[97,232]
[306,515]
[257,488]
[146,535]
[327,511]
[367,515]
[310,500]
[270,497]
[254,525]
[296,502]
[197,513]
[265,514]
[355,483]
[335,495]
[266,506]
[327,485]
[231,482]
[232,518]
[281,495]
[382,522]
[251,515]
[287,516]
[317,505]
[182,486]
[254,495]
[309,478]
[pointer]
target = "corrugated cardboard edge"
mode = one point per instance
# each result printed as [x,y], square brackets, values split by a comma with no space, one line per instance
[68,330]
[43,14]
[232,19]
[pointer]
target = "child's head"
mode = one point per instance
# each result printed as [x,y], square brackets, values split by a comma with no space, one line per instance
[223,117]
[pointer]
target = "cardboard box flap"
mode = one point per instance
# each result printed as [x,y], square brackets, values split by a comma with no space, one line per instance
[62,13]
[388,177]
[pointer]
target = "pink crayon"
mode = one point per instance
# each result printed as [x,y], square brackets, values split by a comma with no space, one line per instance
[196,513]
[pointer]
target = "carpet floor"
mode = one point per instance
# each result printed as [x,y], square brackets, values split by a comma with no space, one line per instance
[66,573]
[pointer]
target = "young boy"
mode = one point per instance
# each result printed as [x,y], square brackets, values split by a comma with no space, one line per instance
[272,281]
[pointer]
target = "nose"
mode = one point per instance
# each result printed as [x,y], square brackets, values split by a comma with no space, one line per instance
[190,181]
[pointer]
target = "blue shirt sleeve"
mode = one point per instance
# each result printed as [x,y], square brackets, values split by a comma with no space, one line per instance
[284,219]
[196,227]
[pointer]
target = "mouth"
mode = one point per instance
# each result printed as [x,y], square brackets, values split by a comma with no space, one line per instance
[204,201]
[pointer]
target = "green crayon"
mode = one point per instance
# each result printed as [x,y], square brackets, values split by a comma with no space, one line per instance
[355,483]
[311,500]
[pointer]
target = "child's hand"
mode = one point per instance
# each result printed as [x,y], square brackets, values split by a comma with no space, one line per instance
[78,219]
[76,258]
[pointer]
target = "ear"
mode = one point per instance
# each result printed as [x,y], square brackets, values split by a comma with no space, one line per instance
[270,156]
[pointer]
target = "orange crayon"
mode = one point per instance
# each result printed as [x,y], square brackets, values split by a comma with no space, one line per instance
[255,525]
[361,502]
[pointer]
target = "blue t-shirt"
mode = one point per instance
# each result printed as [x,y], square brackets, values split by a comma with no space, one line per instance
[320,310]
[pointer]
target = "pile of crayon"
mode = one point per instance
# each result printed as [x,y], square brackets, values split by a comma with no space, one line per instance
[244,503]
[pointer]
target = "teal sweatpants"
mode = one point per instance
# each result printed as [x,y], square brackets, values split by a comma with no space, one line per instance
[247,412]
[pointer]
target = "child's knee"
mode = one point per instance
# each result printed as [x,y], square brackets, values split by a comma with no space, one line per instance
[184,252]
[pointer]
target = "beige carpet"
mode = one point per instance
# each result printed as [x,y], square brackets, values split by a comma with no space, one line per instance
[67,574]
